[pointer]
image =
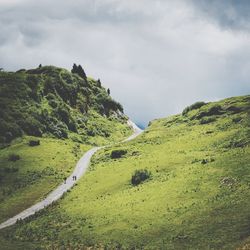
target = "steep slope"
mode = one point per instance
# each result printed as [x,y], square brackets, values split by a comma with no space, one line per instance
[197,196]
[48,118]
[55,102]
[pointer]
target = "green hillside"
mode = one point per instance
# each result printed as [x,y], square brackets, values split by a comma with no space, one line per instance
[49,117]
[197,195]
[51,101]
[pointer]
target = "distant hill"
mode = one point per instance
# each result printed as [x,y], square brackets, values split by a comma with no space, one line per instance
[54,102]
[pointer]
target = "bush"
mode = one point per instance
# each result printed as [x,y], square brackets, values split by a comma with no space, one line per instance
[72,126]
[214,110]
[139,176]
[196,105]
[31,126]
[64,133]
[64,114]
[107,104]
[33,143]
[204,161]
[9,131]
[14,157]
[8,137]
[118,153]
[53,103]
[236,119]
[57,128]
[206,120]
[234,109]
[50,96]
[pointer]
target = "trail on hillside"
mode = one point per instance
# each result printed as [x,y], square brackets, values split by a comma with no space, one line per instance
[78,172]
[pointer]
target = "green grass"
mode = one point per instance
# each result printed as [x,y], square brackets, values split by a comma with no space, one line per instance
[185,204]
[39,170]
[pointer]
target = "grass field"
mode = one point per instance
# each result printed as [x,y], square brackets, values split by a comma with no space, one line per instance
[38,171]
[197,196]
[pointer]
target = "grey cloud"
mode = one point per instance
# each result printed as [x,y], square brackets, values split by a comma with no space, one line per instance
[227,13]
[156,56]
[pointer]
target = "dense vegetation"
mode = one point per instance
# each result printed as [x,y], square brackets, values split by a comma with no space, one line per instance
[55,102]
[197,196]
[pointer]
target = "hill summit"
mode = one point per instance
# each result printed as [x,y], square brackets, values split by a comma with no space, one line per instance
[55,102]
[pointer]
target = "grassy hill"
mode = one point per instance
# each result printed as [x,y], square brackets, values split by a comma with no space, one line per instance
[51,101]
[49,117]
[197,195]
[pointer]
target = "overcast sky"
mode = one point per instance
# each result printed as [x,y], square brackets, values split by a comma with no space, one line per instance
[156,56]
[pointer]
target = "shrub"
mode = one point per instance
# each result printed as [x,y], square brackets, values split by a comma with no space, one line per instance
[92,131]
[49,86]
[196,105]
[236,119]
[234,109]
[118,153]
[57,128]
[239,142]
[64,114]
[14,157]
[53,103]
[31,126]
[214,110]
[139,176]
[33,143]
[206,120]
[8,137]
[72,126]
[64,133]
[50,96]
[9,130]
[107,104]
[204,161]
[67,77]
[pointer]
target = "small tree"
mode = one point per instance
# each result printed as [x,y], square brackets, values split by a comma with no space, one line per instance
[74,69]
[79,71]
[99,84]
[40,65]
[108,91]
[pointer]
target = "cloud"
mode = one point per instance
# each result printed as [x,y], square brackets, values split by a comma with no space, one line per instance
[155,56]
[228,14]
